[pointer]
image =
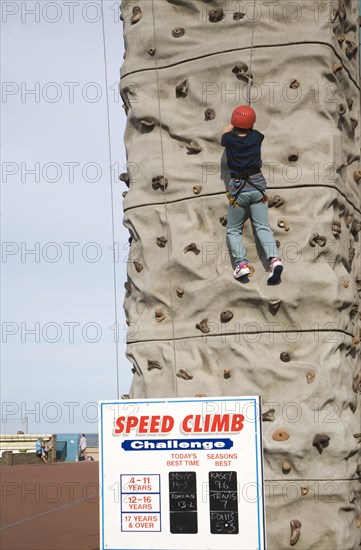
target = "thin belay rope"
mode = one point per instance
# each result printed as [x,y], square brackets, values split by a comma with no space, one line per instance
[250,78]
[165,209]
[112,209]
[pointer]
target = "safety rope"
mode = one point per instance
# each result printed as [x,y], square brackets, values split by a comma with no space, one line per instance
[112,208]
[250,77]
[165,207]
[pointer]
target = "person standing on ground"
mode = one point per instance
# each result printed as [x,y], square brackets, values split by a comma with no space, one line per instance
[247,188]
[82,447]
[39,447]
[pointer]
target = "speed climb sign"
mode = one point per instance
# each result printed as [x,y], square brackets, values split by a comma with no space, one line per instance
[181,473]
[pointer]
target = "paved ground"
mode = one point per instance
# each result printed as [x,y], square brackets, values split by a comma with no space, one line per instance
[50,506]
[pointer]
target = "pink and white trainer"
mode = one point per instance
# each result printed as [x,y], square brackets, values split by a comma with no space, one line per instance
[241,270]
[275,271]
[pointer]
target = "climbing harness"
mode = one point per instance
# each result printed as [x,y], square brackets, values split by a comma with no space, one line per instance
[245,176]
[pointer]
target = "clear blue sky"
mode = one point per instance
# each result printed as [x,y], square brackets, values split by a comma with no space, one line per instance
[58,352]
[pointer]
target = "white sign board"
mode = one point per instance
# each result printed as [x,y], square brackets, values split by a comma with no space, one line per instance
[181,474]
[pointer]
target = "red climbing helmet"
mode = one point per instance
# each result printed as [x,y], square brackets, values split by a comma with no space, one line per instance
[243,117]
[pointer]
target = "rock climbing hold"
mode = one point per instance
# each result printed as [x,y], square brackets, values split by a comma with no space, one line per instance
[341,38]
[159,182]
[151,51]
[317,239]
[125,396]
[293,157]
[203,326]
[358,283]
[275,200]
[227,373]
[354,122]
[192,247]
[183,373]
[223,221]
[321,441]
[215,15]
[178,32]
[124,194]
[278,243]
[193,148]
[304,490]
[226,316]
[342,109]
[200,395]
[179,292]
[351,48]
[269,415]
[350,103]
[152,364]
[355,341]
[280,435]
[358,521]
[147,124]
[240,70]
[341,167]
[348,220]
[161,241]
[310,377]
[336,228]
[357,176]
[137,15]
[138,266]
[285,357]
[336,67]
[357,437]
[286,467]
[354,495]
[251,271]
[355,227]
[295,531]
[295,84]
[209,114]
[159,315]
[133,370]
[356,384]
[124,177]
[283,225]
[238,15]
[346,283]
[197,189]
[274,304]
[128,287]
[181,89]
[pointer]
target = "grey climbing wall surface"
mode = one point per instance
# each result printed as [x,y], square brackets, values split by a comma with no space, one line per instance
[193,329]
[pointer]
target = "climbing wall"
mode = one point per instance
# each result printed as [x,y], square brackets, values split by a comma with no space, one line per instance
[193,329]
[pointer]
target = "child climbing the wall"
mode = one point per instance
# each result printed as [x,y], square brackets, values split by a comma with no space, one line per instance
[247,188]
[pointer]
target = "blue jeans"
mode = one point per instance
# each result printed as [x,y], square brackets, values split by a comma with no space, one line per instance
[259,217]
